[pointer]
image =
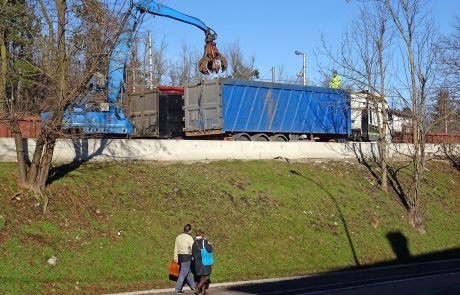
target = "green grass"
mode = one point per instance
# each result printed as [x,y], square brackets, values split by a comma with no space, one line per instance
[112,225]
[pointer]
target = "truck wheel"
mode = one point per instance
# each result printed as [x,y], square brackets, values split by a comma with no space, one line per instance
[241,137]
[278,137]
[259,137]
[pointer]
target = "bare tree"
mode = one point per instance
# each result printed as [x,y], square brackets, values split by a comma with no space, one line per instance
[444,116]
[417,35]
[135,76]
[449,60]
[363,59]
[138,66]
[18,79]
[57,55]
[186,69]
[447,105]
[382,39]
[281,74]
[240,68]
[160,62]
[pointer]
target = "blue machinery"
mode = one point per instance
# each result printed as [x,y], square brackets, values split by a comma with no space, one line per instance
[111,119]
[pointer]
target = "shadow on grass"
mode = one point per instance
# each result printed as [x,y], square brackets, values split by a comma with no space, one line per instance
[393,179]
[399,245]
[452,153]
[357,150]
[405,267]
[342,218]
[82,156]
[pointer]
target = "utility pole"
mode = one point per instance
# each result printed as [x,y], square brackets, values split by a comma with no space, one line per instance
[133,67]
[150,83]
[304,67]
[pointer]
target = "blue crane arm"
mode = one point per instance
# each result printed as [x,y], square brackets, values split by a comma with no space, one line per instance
[156,8]
[132,20]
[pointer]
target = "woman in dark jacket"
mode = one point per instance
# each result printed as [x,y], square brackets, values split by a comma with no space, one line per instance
[202,272]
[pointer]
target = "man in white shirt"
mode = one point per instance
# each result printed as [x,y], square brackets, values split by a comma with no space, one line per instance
[183,256]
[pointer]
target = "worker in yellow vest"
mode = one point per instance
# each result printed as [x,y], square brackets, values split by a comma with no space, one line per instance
[336,81]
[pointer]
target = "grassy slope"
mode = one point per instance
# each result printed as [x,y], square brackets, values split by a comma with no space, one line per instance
[112,226]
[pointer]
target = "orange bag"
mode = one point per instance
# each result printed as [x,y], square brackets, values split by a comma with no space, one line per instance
[173,270]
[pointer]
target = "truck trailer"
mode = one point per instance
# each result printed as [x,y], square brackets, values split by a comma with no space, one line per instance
[263,111]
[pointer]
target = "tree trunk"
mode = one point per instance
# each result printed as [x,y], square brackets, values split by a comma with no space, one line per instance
[415,219]
[20,153]
[6,115]
[3,72]
[35,164]
[383,130]
[45,164]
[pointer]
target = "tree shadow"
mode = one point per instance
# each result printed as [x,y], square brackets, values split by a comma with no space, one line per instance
[452,153]
[25,144]
[393,180]
[342,218]
[357,150]
[82,155]
[397,186]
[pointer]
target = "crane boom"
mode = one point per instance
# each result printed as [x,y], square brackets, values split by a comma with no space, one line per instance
[132,20]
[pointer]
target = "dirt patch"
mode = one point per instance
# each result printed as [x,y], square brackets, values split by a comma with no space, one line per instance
[239,183]
[262,199]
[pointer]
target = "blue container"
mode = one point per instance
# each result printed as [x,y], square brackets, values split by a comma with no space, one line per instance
[234,106]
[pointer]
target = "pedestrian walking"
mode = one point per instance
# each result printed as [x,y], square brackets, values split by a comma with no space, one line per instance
[203,266]
[183,256]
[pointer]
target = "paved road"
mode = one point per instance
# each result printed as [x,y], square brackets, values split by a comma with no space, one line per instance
[442,277]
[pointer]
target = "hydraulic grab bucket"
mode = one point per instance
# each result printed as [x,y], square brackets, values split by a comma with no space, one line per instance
[212,61]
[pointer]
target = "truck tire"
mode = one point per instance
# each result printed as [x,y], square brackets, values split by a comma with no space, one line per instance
[241,137]
[278,137]
[259,137]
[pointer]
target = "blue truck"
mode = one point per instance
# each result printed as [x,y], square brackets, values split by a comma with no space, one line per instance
[262,111]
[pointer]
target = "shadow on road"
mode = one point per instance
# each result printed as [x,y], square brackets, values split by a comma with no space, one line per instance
[343,278]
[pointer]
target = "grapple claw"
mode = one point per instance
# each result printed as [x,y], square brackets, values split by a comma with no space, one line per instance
[212,61]
[203,66]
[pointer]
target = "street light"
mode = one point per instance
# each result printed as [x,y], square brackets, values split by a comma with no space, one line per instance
[304,70]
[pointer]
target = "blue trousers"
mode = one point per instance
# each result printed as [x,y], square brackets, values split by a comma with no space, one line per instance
[185,273]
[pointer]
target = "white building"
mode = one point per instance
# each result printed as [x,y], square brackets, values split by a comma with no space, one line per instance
[365,116]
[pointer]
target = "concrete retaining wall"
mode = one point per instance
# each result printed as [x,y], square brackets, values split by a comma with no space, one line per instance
[196,150]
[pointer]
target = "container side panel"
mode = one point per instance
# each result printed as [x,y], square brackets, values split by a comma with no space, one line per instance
[203,106]
[210,107]
[279,106]
[191,96]
[249,106]
[237,104]
[143,113]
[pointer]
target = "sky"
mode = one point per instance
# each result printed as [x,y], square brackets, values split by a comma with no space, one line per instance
[272,31]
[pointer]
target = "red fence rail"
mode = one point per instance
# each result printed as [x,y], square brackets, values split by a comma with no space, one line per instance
[435,138]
